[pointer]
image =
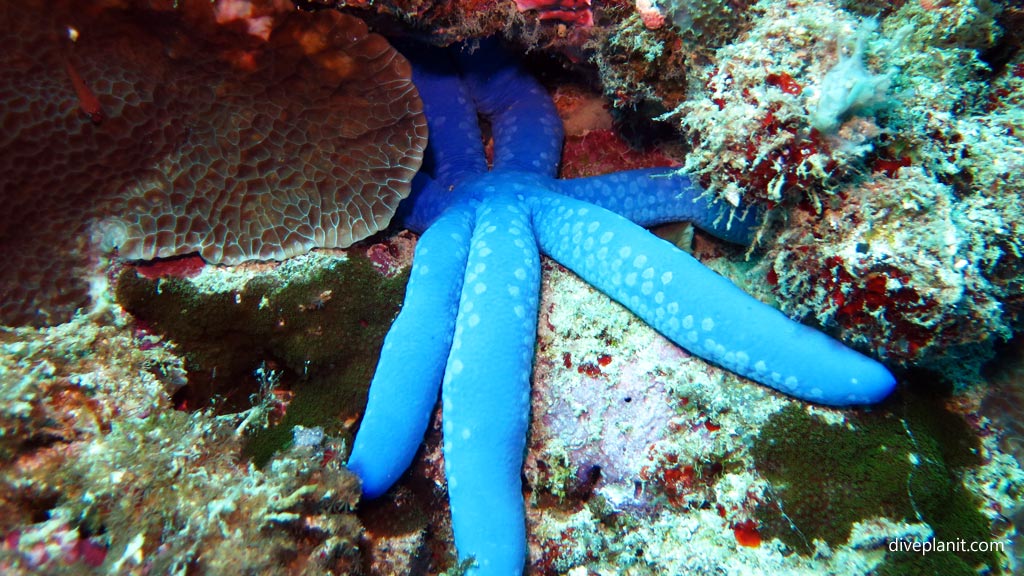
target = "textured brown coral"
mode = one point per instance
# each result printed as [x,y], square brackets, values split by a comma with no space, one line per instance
[212,139]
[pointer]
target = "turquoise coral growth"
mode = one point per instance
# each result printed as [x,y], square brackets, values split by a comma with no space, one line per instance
[849,87]
[469,321]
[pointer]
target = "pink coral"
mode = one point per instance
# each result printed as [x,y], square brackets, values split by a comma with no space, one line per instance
[568,11]
[649,13]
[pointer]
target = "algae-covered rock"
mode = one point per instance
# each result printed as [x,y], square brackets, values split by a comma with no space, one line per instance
[315,323]
[902,463]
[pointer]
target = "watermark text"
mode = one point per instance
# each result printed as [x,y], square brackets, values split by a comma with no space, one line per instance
[958,545]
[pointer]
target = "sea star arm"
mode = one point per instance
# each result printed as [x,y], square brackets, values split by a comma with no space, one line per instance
[488,336]
[404,388]
[451,117]
[653,196]
[485,397]
[702,311]
[425,204]
[527,130]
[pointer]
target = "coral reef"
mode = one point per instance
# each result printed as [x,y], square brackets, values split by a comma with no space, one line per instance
[749,117]
[941,299]
[647,53]
[197,136]
[867,129]
[568,11]
[866,141]
[208,431]
[99,472]
[445,22]
[919,260]
[469,320]
[672,485]
[594,144]
[318,320]
[902,466]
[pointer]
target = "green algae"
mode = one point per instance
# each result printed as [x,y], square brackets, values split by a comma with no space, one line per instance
[903,463]
[320,331]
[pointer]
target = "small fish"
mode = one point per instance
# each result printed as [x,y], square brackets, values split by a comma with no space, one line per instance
[87,100]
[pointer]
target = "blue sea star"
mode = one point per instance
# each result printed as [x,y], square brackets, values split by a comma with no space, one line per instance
[469,319]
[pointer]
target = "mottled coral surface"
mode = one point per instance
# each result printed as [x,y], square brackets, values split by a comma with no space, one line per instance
[166,132]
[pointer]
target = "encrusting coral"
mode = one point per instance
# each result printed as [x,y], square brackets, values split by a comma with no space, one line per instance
[200,128]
